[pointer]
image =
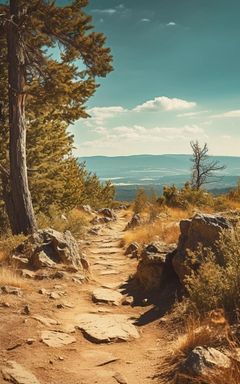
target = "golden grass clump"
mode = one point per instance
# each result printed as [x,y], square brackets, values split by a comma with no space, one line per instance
[156,231]
[7,244]
[10,277]
[212,331]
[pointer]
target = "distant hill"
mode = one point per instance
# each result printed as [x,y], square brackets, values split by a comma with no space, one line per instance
[155,171]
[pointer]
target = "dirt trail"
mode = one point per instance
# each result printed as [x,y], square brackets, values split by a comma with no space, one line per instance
[85,361]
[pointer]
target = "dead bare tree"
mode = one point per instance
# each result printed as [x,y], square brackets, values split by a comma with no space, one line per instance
[203,169]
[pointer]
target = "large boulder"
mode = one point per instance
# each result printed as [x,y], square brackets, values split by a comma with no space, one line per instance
[201,229]
[48,247]
[154,266]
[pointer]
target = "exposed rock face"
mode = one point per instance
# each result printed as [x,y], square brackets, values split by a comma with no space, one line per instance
[134,222]
[48,247]
[202,359]
[202,228]
[15,373]
[153,266]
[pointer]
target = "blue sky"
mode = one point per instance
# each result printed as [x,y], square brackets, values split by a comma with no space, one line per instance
[176,78]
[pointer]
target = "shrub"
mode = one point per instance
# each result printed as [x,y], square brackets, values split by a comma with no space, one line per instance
[141,200]
[213,285]
[75,221]
[185,197]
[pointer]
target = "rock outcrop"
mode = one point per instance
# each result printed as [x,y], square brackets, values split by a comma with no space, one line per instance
[154,267]
[201,229]
[47,248]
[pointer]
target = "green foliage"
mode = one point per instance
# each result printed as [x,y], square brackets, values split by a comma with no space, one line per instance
[140,201]
[57,91]
[217,286]
[74,221]
[185,197]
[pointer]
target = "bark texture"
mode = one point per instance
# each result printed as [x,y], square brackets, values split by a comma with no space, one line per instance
[23,220]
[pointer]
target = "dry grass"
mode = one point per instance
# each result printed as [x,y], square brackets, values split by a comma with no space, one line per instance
[207,333]
[7,244]
[10,277]
[156,231]
[224,376]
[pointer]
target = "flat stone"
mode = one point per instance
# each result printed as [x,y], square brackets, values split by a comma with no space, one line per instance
[17,374]
[106,328]
[45,320]
[105,295]
[56,339]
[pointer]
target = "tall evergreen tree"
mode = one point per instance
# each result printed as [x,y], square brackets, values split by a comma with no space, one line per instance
[55,90]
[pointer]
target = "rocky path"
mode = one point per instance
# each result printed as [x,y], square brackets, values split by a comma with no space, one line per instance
[90,335]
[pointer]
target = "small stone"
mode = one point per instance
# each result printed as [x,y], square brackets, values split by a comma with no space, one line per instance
[61,358]
[26,310]
[42,291]
[120,378]
[54,296]
[9,290]
[58,286]
[30,341]
[128,300]
[58,275]
[145,302]
[5,304]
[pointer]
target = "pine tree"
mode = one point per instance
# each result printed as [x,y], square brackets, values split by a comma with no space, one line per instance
[56,91]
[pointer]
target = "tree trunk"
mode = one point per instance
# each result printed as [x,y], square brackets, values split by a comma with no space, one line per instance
[24,219]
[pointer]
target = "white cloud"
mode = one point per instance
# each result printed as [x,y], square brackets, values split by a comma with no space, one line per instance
[234,113]
[145,20]
[192,114]
[171,24]
[130,139]
[109,11]
[100,114]
[164,103]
